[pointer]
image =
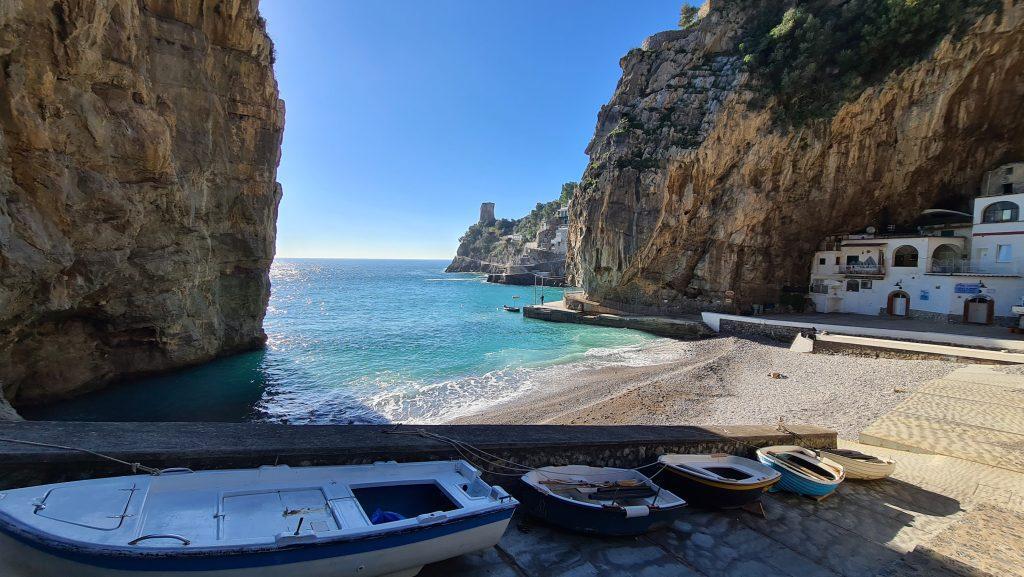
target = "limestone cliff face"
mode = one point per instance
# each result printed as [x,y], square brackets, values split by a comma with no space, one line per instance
[693,191]
[138,197]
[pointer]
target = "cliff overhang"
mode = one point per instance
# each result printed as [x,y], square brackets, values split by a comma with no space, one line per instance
[696,190]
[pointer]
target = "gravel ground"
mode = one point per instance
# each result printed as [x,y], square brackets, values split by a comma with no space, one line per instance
[722,381]
[1009,369]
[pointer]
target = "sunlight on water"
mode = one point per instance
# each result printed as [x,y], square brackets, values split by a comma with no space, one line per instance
[370,341]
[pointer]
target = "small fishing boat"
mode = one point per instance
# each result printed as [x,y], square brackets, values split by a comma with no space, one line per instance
[860,465]
[718,481]
[803,471]
[381,519]
[510,309]
[598,500]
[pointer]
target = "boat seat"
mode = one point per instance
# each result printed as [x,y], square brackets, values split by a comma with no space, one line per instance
[101,508]
[266,513]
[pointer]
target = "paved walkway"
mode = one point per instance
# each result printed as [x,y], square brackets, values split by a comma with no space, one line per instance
[938,517]
[975,414]
[954,507]
[979,336]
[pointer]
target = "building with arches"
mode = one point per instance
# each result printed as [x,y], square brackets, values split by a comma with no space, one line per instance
[955,267]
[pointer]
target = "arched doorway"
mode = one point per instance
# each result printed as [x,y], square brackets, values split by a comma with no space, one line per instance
[898,304]
[979,310]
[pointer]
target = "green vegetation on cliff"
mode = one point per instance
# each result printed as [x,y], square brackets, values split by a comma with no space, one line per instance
[484,241]
[814,55]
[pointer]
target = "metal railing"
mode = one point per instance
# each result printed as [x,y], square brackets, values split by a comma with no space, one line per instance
[862,269]
[965,267]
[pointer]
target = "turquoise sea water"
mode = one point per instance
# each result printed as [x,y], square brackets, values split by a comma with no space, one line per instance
[365,341]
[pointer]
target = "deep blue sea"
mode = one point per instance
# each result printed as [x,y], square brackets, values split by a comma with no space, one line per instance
[365,341]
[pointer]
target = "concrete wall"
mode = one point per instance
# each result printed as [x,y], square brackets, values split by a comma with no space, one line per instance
[992,182]
[243,445]
[774,332]
[716,322]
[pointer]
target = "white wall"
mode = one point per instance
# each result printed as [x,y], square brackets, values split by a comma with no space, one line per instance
[992,183]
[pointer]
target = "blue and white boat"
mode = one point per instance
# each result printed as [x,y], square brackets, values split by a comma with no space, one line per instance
[803,471]
[385,519]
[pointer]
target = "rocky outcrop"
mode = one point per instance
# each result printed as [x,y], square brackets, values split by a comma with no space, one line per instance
[511,246]
[693,191]
[138,197]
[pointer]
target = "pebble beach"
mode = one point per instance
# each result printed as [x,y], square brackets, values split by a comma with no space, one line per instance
[720,381]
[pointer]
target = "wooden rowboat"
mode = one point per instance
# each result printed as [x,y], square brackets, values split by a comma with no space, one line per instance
[598,500]
[385,519]
[860,465]
[718,481]
[803,471]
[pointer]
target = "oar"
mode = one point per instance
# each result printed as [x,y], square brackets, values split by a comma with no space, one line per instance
[799,468]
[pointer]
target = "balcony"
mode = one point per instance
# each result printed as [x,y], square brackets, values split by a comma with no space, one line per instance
[974,268]
[873,270]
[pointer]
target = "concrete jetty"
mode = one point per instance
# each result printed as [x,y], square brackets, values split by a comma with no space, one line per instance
[680,328]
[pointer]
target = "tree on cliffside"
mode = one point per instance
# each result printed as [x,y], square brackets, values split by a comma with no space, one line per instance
[811,56]
[687,16]
[568,189]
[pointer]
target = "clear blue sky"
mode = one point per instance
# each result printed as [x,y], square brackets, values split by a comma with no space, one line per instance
[404,115]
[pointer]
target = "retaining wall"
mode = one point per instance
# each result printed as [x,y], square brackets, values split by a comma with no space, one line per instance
[779,333]
[242,445]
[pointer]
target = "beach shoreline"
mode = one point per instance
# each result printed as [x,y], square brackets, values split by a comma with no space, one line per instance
[719,381]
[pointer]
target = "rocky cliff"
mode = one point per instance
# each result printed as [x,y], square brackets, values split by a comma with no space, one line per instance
[139,143]
[494,245]
[696,186]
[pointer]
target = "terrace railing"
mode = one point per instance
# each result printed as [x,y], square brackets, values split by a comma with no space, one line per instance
[862,269]
[969,267]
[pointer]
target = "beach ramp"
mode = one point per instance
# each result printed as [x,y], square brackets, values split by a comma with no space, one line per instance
[975,413]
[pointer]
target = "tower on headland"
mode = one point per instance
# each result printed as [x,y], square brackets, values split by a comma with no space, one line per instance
[487,213]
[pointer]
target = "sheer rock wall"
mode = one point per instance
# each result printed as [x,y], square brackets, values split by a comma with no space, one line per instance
[139,144]
[691,191]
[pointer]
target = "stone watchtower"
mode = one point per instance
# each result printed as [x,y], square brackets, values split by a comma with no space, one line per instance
[487,213]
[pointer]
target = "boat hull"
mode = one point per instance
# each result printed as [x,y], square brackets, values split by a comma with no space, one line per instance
[863,470]
[400,555]
[610,521]
[797,483]
[708,494]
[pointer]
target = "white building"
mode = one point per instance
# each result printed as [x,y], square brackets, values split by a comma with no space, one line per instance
[965,269]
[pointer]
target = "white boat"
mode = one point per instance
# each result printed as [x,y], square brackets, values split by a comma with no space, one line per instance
[860,465]
[385,519]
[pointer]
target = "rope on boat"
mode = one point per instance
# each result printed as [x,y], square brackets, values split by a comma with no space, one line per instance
[783,428]
[135,467]
[478,454]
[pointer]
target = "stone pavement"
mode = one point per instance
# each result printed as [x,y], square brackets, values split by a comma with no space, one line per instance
[974,413]
[938,517]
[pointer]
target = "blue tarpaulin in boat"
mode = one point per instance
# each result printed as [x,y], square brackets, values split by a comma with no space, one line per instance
[379,516]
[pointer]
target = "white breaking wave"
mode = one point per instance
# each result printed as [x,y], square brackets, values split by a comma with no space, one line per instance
[441,402]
